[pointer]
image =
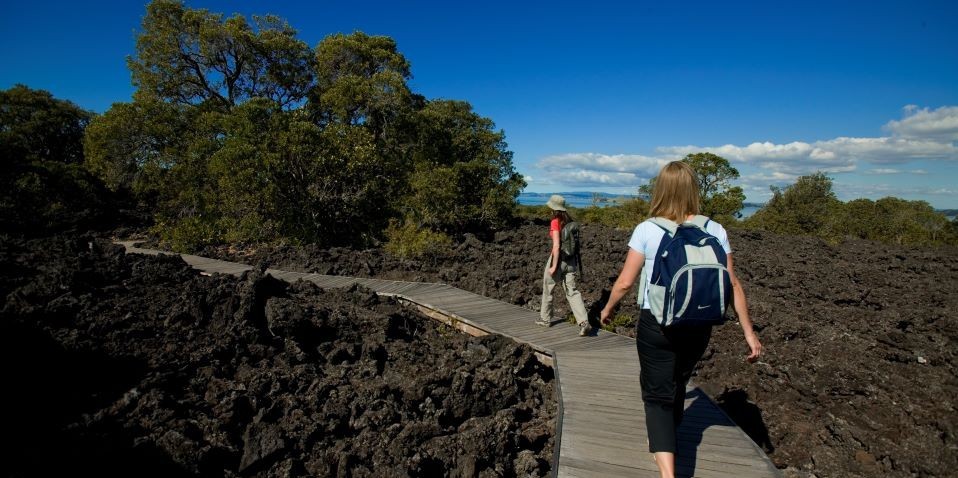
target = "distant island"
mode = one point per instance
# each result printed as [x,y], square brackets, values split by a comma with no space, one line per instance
[575,199]
[582,199]
[587,198]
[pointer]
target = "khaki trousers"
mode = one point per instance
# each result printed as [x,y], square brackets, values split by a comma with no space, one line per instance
[565,274]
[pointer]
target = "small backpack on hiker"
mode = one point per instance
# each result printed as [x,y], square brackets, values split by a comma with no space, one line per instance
[690,282]
[569,247]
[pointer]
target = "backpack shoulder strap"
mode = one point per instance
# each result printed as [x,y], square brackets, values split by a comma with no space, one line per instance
[700,221]
[667,225]
[669,228]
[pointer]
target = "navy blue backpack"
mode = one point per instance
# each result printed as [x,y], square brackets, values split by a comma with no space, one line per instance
[690,283]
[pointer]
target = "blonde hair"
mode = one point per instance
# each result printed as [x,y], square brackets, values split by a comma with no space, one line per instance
[676,193]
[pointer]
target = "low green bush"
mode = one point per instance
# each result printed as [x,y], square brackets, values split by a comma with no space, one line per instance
[620,320]
[624,215]
[408,241]
[809,207]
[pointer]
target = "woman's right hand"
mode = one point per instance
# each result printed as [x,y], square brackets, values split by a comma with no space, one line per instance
[755,347]
[604,317]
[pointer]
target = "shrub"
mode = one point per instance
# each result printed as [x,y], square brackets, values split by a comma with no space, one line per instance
[809,207]
[625,215]
[620,320]
[525,211]
[408,241]
[187,234]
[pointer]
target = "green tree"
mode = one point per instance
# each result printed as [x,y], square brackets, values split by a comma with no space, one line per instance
[910,223]
[718,199]
[860,218]
[336,193]
[242,133]
[360,79]
[464,179]
[133,145]
[806,207]
[809,207]
[361,100]
[43,186]
[194,57]
[35,126]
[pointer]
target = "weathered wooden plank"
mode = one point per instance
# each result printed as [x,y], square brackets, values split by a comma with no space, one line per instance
[389,288]
[728,439]
[408,287]
[600,365]
[230,270]
[599,343]
[459,305]
[717,449]
[629,456]
[437,293]
[542,337]
[496,317]
[579,467]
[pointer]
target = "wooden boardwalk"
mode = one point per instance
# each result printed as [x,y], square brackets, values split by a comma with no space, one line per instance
[601,429]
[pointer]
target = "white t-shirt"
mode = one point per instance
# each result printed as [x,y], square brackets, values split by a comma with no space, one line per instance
[646,240]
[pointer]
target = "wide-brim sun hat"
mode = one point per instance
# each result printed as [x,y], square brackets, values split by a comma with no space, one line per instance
[556,203]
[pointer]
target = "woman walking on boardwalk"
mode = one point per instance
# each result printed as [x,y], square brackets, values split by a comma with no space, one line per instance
[668,353]
[563,266]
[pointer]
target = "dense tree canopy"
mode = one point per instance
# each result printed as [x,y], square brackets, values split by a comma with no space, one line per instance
[43,185]
[34,126]
[194,57]
[132,143]
[802,208]
[241,132]
[463,177]
[360,79]
[809,207]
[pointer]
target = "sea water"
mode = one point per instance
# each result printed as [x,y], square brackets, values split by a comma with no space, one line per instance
[587,199]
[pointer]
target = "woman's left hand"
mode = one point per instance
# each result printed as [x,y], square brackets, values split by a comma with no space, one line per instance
[755,347]
[604,317]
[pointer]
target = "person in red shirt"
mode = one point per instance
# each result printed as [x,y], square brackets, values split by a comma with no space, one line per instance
[563,269]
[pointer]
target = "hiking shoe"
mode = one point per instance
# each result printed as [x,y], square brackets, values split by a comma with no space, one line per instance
[584,329]
[543,322]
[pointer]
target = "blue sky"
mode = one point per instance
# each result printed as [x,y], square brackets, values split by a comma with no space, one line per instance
[596,96]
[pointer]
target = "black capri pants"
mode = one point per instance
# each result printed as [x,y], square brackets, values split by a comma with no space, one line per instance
[666,357]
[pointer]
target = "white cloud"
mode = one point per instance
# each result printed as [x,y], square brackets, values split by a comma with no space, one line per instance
[854,191]
[887,150]
[623,163]
[895,171]
[584,178]
[837,155]
[922,134]
[940,124]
